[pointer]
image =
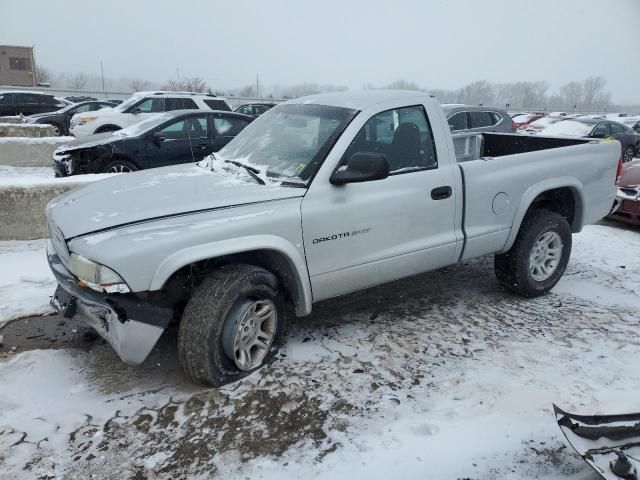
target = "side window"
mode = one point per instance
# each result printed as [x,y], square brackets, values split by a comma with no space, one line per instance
[459,122]
[601,130]
[259,109]
[495,118]
[229,126]
[179,104]
[150,105]
[403,135]
[197,127]
[480,119]
[175,130]
[617,129]
[6,99]
[217,105]
[245,109]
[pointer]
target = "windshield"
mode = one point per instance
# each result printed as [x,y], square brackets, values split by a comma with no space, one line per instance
[144,126]
[289,140]
[127,103]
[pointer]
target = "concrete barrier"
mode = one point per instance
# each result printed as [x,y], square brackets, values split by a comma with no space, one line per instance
[29,152]
[22,210]
[12,119]
[26,130]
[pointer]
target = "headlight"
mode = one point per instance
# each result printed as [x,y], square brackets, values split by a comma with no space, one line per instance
[96,276]
[84,120]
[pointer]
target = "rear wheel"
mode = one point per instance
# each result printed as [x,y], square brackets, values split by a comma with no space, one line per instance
[57,130]
[538,257]
[119,166]
[232,325]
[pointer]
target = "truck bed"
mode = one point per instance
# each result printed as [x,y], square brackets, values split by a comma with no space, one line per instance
[480,145]
[500,171]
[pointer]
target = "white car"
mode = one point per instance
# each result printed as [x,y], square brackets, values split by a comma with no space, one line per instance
[141,105]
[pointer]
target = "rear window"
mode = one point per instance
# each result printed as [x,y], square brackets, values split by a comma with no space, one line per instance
[217,104]
[480,119]
[179,104]
[617,129]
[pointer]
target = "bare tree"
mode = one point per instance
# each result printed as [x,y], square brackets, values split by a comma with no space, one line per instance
[137,85]
[572,95]
[478,92]
[78,81]
[43,74]
[594,92]
[247,91]
[403,85]
[189,84]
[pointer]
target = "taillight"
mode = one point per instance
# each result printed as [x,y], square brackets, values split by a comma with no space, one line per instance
[619,172]
[514,127]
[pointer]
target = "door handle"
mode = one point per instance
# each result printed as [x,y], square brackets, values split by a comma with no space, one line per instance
[201,146]
[440,193]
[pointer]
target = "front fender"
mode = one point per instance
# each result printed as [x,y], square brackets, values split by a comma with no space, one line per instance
[532,192]
[221,248]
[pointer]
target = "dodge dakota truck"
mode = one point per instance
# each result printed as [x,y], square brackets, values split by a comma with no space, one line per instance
[319,197]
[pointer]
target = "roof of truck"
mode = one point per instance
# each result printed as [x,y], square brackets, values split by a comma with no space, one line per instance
[358,100]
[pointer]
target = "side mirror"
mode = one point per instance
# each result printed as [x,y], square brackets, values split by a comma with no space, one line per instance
[361,167]
[158,137]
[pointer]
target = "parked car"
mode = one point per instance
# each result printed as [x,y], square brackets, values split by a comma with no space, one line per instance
[319,197]
[539,125]
[80,98]
[632,122]
[14,102]
[628,210]
[253,109]
[61,119]
[594,128]
[525,119]
[163,139]
[140,106]
[468,118]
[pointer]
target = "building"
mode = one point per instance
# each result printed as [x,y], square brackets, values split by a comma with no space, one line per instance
[17,66]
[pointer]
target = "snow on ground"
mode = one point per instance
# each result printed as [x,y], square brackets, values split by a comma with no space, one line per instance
[438,376]
[38,176]
[25,280]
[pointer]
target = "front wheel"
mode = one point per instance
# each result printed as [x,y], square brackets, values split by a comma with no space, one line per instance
[232,325]
[119,166]
[538,257]
[628,154]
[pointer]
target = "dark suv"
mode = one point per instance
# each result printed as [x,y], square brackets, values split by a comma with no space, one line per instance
[28,103]
[471,119]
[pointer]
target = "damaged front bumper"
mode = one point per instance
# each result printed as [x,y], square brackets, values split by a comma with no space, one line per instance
[130,325]
[610,444]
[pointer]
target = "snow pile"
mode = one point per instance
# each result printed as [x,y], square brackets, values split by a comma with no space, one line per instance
[36,140]
[569,128]
[26,283]
[41,176]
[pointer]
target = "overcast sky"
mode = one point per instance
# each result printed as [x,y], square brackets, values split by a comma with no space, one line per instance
[435,43]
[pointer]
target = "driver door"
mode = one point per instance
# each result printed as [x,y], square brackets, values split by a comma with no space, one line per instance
[363,234]
[183,140]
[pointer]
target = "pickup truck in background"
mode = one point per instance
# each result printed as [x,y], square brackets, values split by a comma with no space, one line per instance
[319,197]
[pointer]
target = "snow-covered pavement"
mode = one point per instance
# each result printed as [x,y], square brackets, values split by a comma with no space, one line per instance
[441,376]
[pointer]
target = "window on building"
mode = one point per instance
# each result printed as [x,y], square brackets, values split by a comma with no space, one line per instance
[20,63]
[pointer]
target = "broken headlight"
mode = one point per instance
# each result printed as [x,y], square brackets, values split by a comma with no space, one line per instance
[96,276]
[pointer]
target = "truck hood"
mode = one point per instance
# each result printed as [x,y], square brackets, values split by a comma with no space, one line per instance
[153,194]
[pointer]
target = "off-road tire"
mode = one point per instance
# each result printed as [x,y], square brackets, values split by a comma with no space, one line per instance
[512,267]
[116,164]
[201,329]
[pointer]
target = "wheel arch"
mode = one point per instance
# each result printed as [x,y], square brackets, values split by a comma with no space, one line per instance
[267,251]
[108,127]
[562,195]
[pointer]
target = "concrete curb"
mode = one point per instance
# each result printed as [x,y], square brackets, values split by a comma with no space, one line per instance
[25,130]
[22,209]
[29,152]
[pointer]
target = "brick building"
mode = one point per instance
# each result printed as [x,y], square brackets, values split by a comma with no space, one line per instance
[17,66]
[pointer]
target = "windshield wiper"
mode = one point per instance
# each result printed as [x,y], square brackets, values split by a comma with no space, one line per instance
[253,171]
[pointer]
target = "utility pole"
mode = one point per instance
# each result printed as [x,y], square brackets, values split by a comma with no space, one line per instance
[102,75]
[257,87]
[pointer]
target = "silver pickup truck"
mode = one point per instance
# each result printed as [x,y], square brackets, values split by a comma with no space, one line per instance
[319,197]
